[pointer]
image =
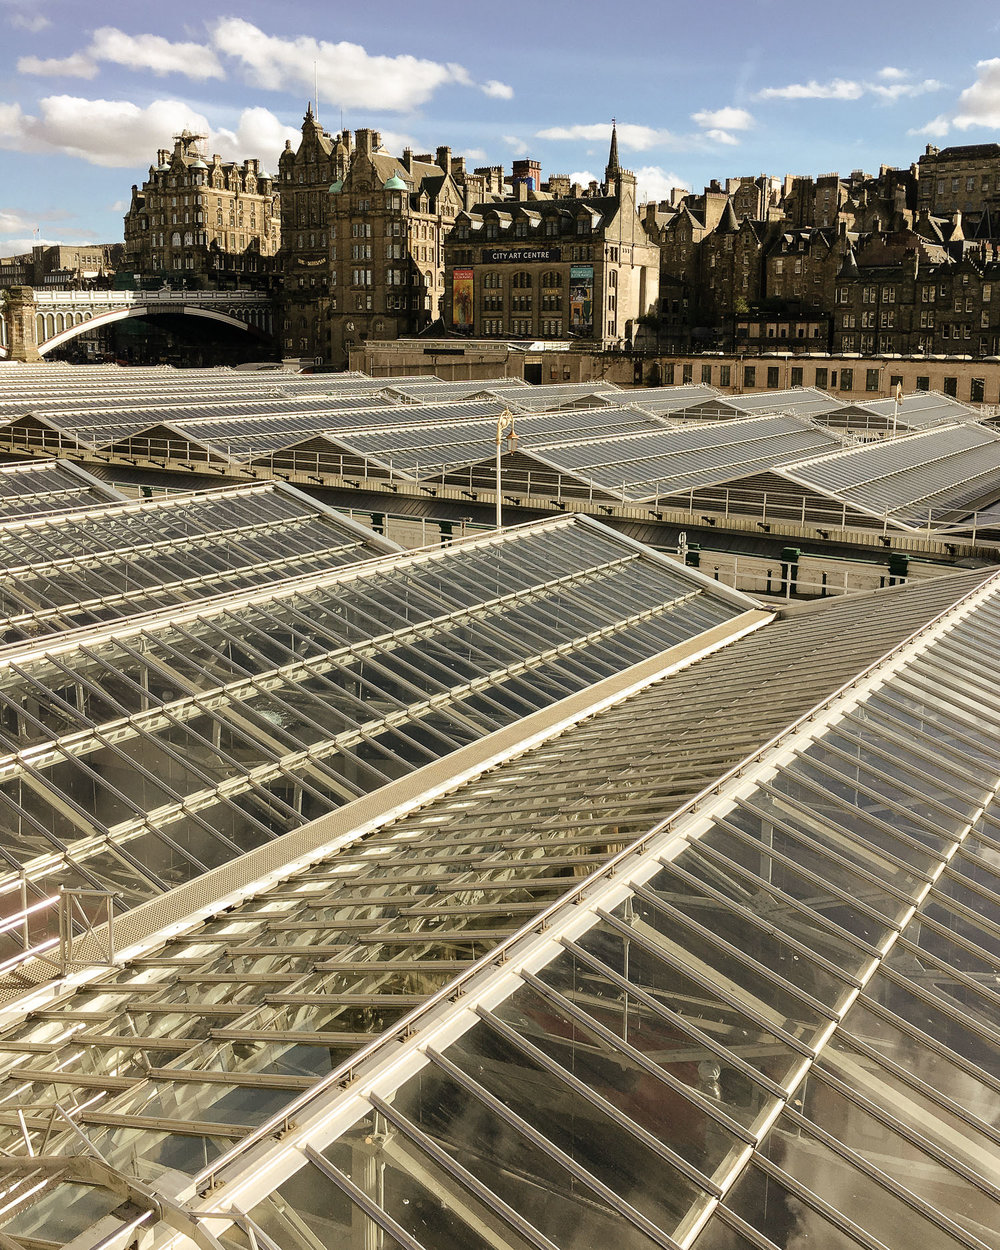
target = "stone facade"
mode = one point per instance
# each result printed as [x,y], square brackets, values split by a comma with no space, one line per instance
[904,295]
[202,223]
[363,255]
[60,266]
[555,262]
[305,176]
[964,179]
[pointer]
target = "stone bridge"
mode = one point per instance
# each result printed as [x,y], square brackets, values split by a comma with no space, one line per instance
[33,322]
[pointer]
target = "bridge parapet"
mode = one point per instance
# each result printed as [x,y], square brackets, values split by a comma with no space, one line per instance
[34,321]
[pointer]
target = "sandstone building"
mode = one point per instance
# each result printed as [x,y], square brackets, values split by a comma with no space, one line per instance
[59,265]
[202,222]
[362,238]
[553,263]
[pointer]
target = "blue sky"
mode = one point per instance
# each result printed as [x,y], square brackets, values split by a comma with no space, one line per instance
[88,91]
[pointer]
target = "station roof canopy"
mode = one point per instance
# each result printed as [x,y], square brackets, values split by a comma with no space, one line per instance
[435,391]
[700,956]
[62,570]
[801,401]
[929,478]
[641,467]
[177,739]
[49,486]
[917,411]
[554,394]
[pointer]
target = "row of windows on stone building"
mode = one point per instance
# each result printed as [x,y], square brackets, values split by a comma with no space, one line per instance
[872,383]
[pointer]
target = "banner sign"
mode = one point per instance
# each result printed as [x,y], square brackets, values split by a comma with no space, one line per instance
[462,305]
[581,300]
[520,255]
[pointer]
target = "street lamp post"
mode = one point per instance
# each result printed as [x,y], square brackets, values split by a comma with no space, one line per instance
[505,429]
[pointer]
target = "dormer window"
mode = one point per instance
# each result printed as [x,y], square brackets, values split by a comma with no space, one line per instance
[491,230]
[582,226]
[552,228]
[521,228]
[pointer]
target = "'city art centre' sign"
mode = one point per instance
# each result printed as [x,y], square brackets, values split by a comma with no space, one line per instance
[520,255]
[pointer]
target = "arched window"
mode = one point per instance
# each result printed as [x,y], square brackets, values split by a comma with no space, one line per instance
[491,280]
[551,279]
[522,280]
[175,239]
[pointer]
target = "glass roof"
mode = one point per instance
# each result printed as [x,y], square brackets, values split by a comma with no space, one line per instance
[915,411]
[49,486]
[136,756]
[803,401]
[660,463]
[786,992]
[790,993]
[79,568]
[934,476]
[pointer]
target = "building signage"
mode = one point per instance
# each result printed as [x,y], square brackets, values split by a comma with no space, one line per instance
[581,300]
[462,305]
[520,255]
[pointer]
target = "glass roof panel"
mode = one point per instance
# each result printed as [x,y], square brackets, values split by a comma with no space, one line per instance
[698,979]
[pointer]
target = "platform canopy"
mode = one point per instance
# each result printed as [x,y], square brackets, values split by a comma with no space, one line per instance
[702,956]
[935,477]
[918,410]
[63,570]
[142,751]
[31,489]
[801,401]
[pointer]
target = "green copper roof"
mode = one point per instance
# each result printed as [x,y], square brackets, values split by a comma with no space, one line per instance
[395,183]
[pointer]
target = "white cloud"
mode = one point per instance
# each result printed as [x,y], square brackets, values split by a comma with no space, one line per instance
[10,222]
[837,89]
[119,206]
[638,138]
[78,65]
[642,138]
[895,87]
[584,177]
[723,119]
[474,154]
[15,246]
[117,133]
[139,52]
[154,53]
[396,140]
[11,119]
[979,105]
[516,145]
[31,22]
[498,90]
[348,74]
[654,183]
[259,133]
[936,128]
[904,90]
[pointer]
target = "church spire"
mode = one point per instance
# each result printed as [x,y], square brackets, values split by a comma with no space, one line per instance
[613,168]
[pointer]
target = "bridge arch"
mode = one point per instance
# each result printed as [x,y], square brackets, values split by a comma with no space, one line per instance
[53,339]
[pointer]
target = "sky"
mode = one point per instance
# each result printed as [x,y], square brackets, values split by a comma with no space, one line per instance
[89,90]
